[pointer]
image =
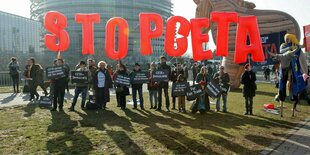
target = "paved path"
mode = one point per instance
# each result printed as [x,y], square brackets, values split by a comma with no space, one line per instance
[296,142]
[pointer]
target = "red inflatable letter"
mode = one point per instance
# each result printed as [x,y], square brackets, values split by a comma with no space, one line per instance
[198,38]
[55,23]
[247,26]
[146,34]
[184,30]
[223,19]
[87,21]
[122,38]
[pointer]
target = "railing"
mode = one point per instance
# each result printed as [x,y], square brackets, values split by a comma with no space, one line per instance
[6,80]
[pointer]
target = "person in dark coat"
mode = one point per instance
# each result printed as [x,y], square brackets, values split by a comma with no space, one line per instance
[102,83]
[174,76]
[248,79]
[122,91]
[222,78]
[59,89]
[137,87]
[14,73]
[32,77]
[40,79]
[202,103]
[153,88]
[163,85]
[194,71]
[205,77]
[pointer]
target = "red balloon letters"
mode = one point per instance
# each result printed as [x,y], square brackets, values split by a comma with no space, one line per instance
[152,26]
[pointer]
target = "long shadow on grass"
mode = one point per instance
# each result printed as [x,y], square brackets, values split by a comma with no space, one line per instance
[172,139]
[99,119]
[228,145]
[29,109]
[70,142]
[272,94]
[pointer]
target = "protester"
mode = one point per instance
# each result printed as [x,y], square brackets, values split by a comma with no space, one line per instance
[222,78]
[67,68]
[80,87]
[122,91]
[52,84]
[59,88]
[14,73]
[153,88]
[114,78]
[40,79]
[163,85]
[137,87]
[92,68]
[248,79]
[174,76]
[194,71]
[204,76]
[32,77]
[202,102]
[181,99]
[102,83]
[185,69]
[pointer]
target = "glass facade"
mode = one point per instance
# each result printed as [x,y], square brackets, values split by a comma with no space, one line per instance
[127,9]
[19,35]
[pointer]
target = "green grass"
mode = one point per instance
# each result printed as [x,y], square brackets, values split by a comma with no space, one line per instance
[30,129]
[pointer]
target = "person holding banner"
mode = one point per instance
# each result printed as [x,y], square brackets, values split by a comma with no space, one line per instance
[121,90]
[174,77]
[202,102]
[114,84]
[153,88]
[222,78]
[92,68]
[102,83]
[181,99]
[136,87]
[59,89]
[163,85]
[248,79]
[204,76]
[80,88]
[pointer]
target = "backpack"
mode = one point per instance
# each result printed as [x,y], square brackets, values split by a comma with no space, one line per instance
[91,104]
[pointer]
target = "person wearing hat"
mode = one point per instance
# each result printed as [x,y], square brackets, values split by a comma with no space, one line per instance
[81,87]
[163,85]
[248,79]
[14,73]
[137,87]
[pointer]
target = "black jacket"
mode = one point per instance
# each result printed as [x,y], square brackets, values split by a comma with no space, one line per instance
[135,86]
[248,79]
[107,83]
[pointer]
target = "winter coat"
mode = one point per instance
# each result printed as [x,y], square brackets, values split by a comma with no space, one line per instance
[248,79]
[107,83]
[164,84]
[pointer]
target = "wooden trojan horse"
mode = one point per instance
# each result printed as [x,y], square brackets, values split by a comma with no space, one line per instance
[269,21]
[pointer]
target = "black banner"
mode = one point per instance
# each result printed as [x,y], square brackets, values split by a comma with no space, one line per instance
[140,77]
[213,89]
[79,76]
[122,80]
[160,75]
[55,72]
[224,88]
[194,92]
[179,89]
[45,101]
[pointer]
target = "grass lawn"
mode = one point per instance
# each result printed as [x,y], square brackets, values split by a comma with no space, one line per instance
[30,129]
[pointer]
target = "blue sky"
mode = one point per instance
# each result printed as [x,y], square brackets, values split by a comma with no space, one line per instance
[186,8]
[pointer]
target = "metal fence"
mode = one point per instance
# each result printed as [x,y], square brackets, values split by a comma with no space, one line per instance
[5,79]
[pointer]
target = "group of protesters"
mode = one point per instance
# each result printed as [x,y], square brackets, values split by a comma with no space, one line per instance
[101,78]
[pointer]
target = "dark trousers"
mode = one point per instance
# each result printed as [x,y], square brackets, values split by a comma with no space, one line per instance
[59,95]
[118,97]
[15,79]
[122,101]
[134,97]
[282,84]
[160,91]
[42,87]
[77,92]
[248,104]
[33,89]
[100,98]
